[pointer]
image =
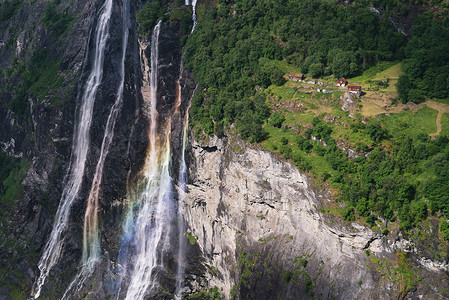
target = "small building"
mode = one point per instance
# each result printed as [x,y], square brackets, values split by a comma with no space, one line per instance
[341,82]
[297,78]
[355,89]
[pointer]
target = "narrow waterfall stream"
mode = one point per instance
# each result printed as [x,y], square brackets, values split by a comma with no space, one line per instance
[180,272]
[91,230]
[151,208]
[81,141]
[91,237]
[194,17]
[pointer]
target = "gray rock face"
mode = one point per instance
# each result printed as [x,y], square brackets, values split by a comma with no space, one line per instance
[349,104]
[262,235]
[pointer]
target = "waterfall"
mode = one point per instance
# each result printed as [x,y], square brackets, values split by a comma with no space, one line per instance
[91,235]
[181,227]
[91,238]
[81,141]
[151,207]
[194,15]
[194,18]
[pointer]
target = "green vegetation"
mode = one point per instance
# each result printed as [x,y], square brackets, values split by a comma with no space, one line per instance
[231,54]
[400,273]
[8,9]
[148,16]
[58,23]
[37,77]
[192,239]
[426,65]
[212,294]
[12,173]
[411,124]
[183,15]
[240,52]
[445,124]
[444,229]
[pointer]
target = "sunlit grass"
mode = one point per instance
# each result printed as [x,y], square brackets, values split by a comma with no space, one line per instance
[411,124]
[377,72]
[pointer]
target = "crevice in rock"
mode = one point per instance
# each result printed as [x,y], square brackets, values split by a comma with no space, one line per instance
[370,241]
[263,203]
[209,149]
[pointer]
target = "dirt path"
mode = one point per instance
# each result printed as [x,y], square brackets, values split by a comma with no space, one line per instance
[441,108]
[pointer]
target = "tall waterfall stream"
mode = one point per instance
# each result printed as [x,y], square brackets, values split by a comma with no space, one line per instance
[81,142]
[153,219]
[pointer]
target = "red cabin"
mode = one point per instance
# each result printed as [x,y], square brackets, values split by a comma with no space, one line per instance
[341,82]
[355,89]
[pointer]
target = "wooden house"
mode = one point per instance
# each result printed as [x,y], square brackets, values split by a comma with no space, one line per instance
[355,89]
[341,82]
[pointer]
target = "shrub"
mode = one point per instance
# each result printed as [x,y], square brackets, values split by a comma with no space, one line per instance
[148,16]
[348,213]
[444,229]
[276,119]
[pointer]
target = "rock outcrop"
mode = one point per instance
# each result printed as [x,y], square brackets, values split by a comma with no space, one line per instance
[260,225]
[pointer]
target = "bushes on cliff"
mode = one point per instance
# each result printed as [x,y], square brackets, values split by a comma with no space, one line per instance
[389,184]
[36,78]
[8,9]
[57,22]
[11,188]
[277,119]
[148,16]
[444,229]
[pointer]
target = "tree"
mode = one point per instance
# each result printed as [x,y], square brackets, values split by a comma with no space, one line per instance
[342,63]
[402,87]
[375,130]
[416,95]
[348,213]
[316,70]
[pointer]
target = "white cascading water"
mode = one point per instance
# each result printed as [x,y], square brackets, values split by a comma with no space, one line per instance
[194,18]
[81,141]
[194,15]
[180,272]
[151,208]
[91,235]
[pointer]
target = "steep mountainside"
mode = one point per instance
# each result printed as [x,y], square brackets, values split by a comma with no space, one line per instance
[106,193]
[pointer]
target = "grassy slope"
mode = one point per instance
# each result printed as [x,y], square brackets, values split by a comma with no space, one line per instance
[299,103]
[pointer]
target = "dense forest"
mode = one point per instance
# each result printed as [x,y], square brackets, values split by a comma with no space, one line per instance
[233,53]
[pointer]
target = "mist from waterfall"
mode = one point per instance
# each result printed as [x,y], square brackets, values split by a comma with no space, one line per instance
[81,141]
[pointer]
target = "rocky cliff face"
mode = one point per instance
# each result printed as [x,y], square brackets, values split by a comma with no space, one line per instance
[42,134]
[260,226]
